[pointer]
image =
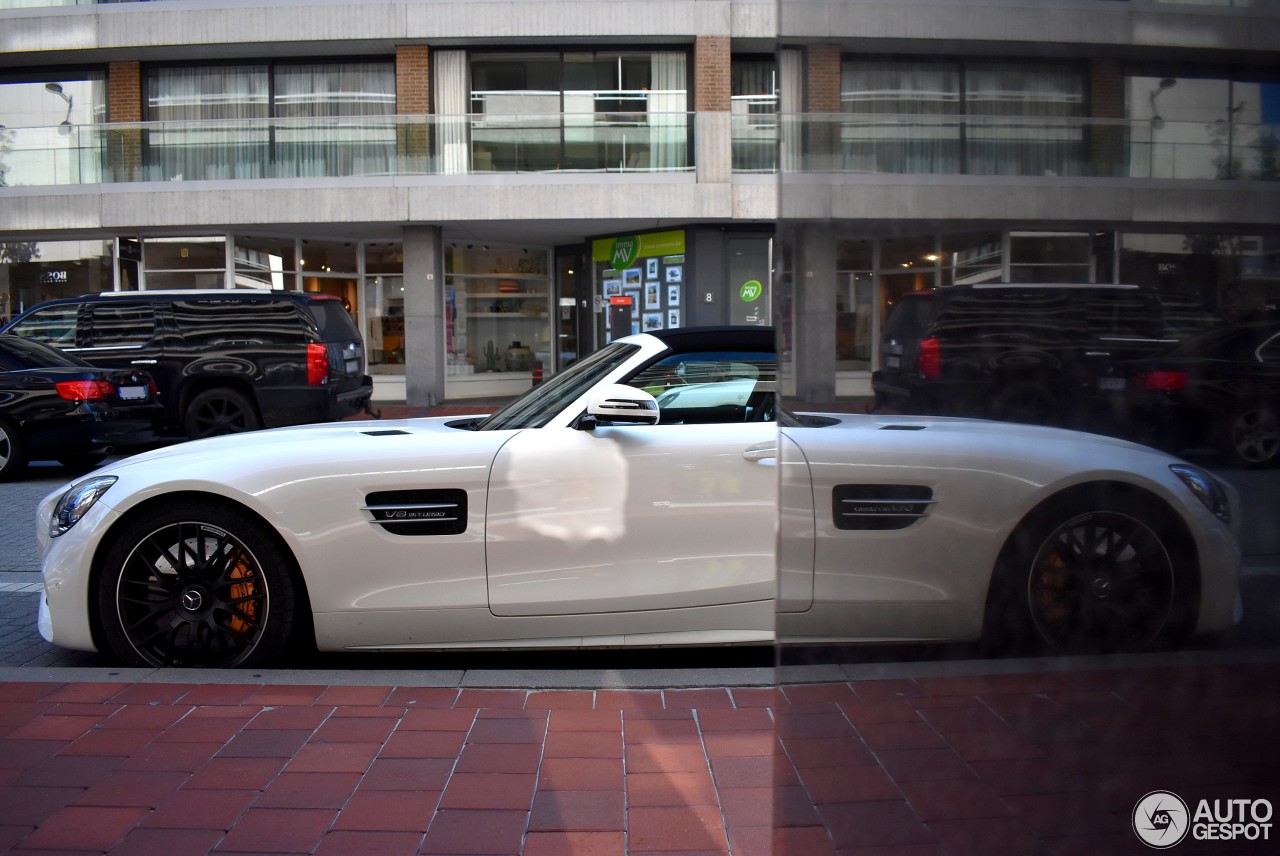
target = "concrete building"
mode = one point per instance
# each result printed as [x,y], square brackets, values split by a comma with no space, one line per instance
[495,186]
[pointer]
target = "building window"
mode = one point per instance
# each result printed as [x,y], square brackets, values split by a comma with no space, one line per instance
[40,115]
[754,105]
[962,117]
[1050,257]
[579,110]
[239,143]
[196,262]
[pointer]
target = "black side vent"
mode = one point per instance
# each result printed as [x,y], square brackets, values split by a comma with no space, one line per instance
[902,427]
[419,512]
[384,432]
[879,506]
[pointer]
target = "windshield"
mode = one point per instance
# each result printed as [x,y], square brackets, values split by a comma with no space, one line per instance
[539,405]
[23,353]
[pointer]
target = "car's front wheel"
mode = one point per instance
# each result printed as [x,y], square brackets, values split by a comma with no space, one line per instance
[197,584]
[1092,576]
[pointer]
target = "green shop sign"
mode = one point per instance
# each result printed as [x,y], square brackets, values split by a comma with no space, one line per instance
[751,290]
[621,253]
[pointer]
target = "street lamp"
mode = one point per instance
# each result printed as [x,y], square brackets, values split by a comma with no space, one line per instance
[56,89]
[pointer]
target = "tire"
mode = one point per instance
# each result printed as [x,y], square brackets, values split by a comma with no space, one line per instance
[1250,436]
[1027,402]
[1092,575]
[197,585]
[86,461]
[13,454]
[220,411]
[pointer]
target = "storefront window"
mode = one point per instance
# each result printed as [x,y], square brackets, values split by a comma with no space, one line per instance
[32,272]
[855,303]
[383,307]
[196,262]
[265,263]
[1050,257]
[498,303]
[1239,275]
[970,259]
[641,282]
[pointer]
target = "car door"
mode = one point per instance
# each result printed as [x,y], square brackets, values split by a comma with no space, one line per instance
[629,518]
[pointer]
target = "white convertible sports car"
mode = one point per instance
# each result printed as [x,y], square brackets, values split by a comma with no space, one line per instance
[652,494]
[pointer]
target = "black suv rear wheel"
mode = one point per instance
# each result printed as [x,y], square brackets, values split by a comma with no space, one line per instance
[220,411]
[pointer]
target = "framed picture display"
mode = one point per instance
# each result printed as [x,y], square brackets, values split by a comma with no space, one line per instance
[675,273]
[673,296]
[652,321]
[631,277]
[651,269]
[653,296]
[673,319]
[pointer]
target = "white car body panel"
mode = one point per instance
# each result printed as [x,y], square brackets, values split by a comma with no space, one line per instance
[633,534]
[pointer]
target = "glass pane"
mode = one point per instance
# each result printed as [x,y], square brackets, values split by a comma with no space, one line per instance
[969,259]
[264,262]
[335,89]
[384,319]
[328,256]
[179,279]
[1049,249]
[185,253]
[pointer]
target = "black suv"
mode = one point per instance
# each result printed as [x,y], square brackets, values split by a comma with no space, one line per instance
[1025,353]
[224,361]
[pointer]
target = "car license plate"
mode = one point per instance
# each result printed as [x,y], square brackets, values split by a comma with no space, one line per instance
[892,362]
[1111,384]
[131,393]
[353,366]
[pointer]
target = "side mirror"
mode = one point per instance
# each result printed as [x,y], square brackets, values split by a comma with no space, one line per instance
[618,403]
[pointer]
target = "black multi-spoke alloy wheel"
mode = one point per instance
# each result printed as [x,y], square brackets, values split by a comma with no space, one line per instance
[1094,578]
[197,585]
[13,455]
[1250,436]
[220,411]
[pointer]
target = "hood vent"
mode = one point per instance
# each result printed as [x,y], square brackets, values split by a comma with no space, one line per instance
[903,427]
[419,512]
[879,507]
[384,432]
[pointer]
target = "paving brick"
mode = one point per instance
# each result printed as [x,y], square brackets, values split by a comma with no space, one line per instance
[583,744]
[14,713]
[349,696]
[235,774]
[278,830]
[407,774]
[816,693]
[198,728]
[167,842]
[585,720]
[827,752]
[990,744]
[285,694]
[886,690]
[111,741]
[32,806]
[873,824]
[771,697]
[670,789]
[629,700]
[789,806]
[437,719]
[675,828]
[849,784]
[577,811]
[508,731]
[388,811]
[498,758]
[666,758]
[308,790]
[151,694]
[84,828]
[464,832]
[219,694]
[789,841]
[492,699]
[700,699]
[78,771]
[194,809]
[741,744]
[89,691]
[755,772]
[580,774]
[125,788]
[952,800]
[66,728]
[561,700]
[291,717]
[489,791]
[900,735]
[158,716]
[334,758]
[417,697]
[369,843]
[575,844]
[735,719]
[266,743]
[423,744]
[638,729]
[923,765]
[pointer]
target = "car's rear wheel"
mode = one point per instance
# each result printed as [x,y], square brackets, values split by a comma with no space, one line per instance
[1089,577]
[1250,436]
[1025,401]
[197,585]
[13,454]
[220,411]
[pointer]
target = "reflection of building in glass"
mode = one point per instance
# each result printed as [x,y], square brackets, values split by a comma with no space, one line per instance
[401,161]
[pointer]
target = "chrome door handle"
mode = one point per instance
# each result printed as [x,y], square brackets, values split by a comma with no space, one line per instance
[142,362]
[761,452]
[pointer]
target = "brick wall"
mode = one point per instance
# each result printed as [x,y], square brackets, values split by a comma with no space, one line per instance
[711,87]
[823,84]
[413,79]
[124,91]
[1106,101]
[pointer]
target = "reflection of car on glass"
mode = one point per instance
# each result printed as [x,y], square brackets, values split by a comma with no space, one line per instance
[55,406]
[584,513]
[225,360]
[1039,353]
[1220,389]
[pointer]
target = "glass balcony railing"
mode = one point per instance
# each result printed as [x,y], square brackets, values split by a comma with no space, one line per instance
[359,146]
[825,143]
[1016,146]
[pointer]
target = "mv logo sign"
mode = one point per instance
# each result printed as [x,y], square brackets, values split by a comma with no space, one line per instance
[625,252]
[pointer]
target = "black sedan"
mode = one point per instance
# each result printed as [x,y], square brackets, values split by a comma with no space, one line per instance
[56,406]
[1220,389]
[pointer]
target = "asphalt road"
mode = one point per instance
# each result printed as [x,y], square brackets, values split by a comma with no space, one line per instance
[20,645]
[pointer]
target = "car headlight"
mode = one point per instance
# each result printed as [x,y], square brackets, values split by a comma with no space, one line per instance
[1207,489]
[76,502]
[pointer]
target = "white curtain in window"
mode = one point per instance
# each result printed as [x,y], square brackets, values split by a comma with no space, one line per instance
[668,106]
[912,101]
[1049,98]
[790,104]
[451,91]
[327,147]
[214,135]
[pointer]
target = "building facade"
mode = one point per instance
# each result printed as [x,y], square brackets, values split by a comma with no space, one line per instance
[495,188]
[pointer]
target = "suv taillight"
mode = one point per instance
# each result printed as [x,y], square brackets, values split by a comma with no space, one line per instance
[930,360]
[1162,381]
[84,390]
[317,364]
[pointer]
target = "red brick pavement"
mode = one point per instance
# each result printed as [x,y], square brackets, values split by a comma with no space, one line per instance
[1027,763]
